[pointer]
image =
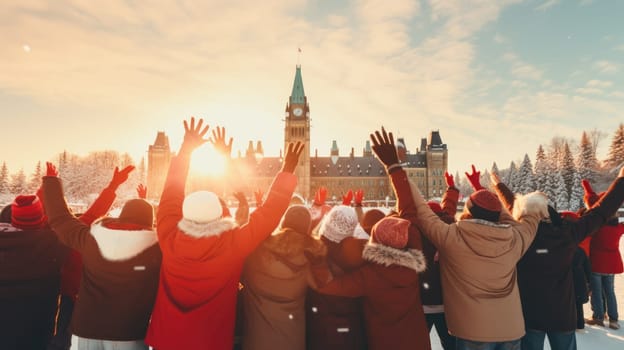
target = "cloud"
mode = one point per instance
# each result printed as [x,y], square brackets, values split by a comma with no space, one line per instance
[547,5]
[586,2]
[604,66]
[499,39]
[599,84]
[521,69]
[589,91]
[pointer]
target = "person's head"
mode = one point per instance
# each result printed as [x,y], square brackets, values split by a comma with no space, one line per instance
[27,213]
[297,218]
[370,218]
[204,214]
[296,199]
[391,231]
[554,217]
[338,224]
[137,212]
[484,205]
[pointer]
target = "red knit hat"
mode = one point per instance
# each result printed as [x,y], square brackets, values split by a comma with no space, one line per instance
[484,204]
[27,212]
[435,206]
[391,231]
[370,218]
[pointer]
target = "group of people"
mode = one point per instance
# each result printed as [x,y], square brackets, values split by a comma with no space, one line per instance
[188,275]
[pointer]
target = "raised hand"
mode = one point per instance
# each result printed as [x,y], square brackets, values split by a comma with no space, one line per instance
[587,186]
[121,176]
[194,134]
[258,195]
[240,197]
[474,179]
[292,157]
[320,196]
[347,198]
[448,178]
[383,146]
[51,170]
[142,191]
[218,140]
[358,197]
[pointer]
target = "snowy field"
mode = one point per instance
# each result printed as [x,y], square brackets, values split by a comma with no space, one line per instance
[592,337]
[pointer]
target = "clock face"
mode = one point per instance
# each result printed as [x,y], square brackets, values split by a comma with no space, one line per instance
[298,112]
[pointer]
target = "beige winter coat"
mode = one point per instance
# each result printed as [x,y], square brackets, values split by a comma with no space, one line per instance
[478,267]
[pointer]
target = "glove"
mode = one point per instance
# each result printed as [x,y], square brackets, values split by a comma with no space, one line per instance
[587,186]
[383,146]
[320,196]
[120,176]
[258,195]
[51,170]
[359,197]
[449,179]
[474,179]
[347,198]
[292,157]
[142,191]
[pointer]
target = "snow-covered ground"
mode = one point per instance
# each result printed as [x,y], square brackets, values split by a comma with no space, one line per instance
[592,337]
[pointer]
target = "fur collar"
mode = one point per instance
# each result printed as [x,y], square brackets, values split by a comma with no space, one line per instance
[119,245]
[533,204]
[209,229]
[487,223]
[386,256]
[5,227]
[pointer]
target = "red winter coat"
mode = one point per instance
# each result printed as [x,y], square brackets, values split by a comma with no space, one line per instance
[196,301]
[604,250]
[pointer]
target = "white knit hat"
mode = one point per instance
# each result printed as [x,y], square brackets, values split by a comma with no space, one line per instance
[202,207]
[339,223]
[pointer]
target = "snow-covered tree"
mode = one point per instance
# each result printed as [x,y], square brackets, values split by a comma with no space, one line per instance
[561,198]
[512,177]
[567,168]
[35,178]
[525,176]
[18,183]
[586,162]
[542,174]
[495,169]
[616,150]
[576,196]
[595,137]
[5,187]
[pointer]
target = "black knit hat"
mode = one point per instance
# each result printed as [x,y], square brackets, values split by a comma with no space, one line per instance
[137,211]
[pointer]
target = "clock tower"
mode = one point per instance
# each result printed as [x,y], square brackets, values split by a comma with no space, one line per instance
[297,128]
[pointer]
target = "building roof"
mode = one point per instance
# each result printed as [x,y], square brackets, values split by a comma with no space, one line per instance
[298,94]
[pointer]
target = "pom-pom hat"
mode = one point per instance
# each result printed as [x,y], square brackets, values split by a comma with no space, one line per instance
[27,212]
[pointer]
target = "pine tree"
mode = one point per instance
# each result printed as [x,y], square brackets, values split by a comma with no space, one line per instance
[511,177]
[541,170]
[567,168]
[494,169]
[576,196]
[18,183]
[35,179]
[142,171]
[586,162]
[526,182]
[616,150]
[561,198]
[4,179]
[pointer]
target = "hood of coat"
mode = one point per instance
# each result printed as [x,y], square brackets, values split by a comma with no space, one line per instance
[384,255]
[208,229]
[118,244]
[287,246]
[486,238]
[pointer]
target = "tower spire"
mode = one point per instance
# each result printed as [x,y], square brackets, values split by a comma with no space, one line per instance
[298,94]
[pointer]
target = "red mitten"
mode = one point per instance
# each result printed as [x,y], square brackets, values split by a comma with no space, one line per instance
[142,191]
[347,198]
[320,196]
[51,170]
[121,176]
[474,179]
[358,197]
[258,195]
[450,182]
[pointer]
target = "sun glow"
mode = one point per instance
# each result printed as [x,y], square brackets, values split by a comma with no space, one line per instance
[206,161]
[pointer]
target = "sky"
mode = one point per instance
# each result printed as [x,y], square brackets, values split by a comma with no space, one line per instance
[496,78]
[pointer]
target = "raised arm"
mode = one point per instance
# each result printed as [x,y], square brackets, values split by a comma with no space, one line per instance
[475,179]
[242,213]
[504,193]
[69,229]
[170,206]
[450,197]
[105,200]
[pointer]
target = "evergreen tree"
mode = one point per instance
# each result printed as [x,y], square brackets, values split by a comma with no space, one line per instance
[576,196]
[142,172]
[567,168]
[561,198]
[35,178]
[511,177]
[494,169]
[616,150]
[542,175]
[526,182]
[5,187]
[586,162]
[18,183]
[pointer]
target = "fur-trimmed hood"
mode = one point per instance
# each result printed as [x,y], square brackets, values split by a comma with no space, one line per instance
[534,203]
[380,254]
[119,245]
[209,229]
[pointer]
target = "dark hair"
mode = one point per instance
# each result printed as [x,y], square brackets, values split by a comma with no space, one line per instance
[5,214]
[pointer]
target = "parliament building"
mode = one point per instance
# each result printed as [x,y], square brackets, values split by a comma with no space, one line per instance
[337,172]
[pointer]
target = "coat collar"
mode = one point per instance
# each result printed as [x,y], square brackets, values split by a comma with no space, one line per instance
[378,253]
[119,245]
[209,229]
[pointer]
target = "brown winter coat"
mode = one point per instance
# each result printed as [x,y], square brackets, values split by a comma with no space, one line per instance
[478,266]
[388,283]
[275,279]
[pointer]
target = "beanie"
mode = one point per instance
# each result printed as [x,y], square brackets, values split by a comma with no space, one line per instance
[435,206]
[484,204]
[202,207]
[297,218]
[391,231]
[27,212]
[370,218]
[137,211]
[338,223]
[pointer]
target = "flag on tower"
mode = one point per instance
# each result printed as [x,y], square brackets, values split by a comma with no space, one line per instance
[299,49]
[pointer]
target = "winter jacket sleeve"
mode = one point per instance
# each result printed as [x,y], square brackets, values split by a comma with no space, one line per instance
[242,213]
[170,206]
[265,218]
[600,212]
[71,231]
[430,225]
[100,206]
[406,206]
[505,195]
[449,202]
[352,284]
[528,211]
